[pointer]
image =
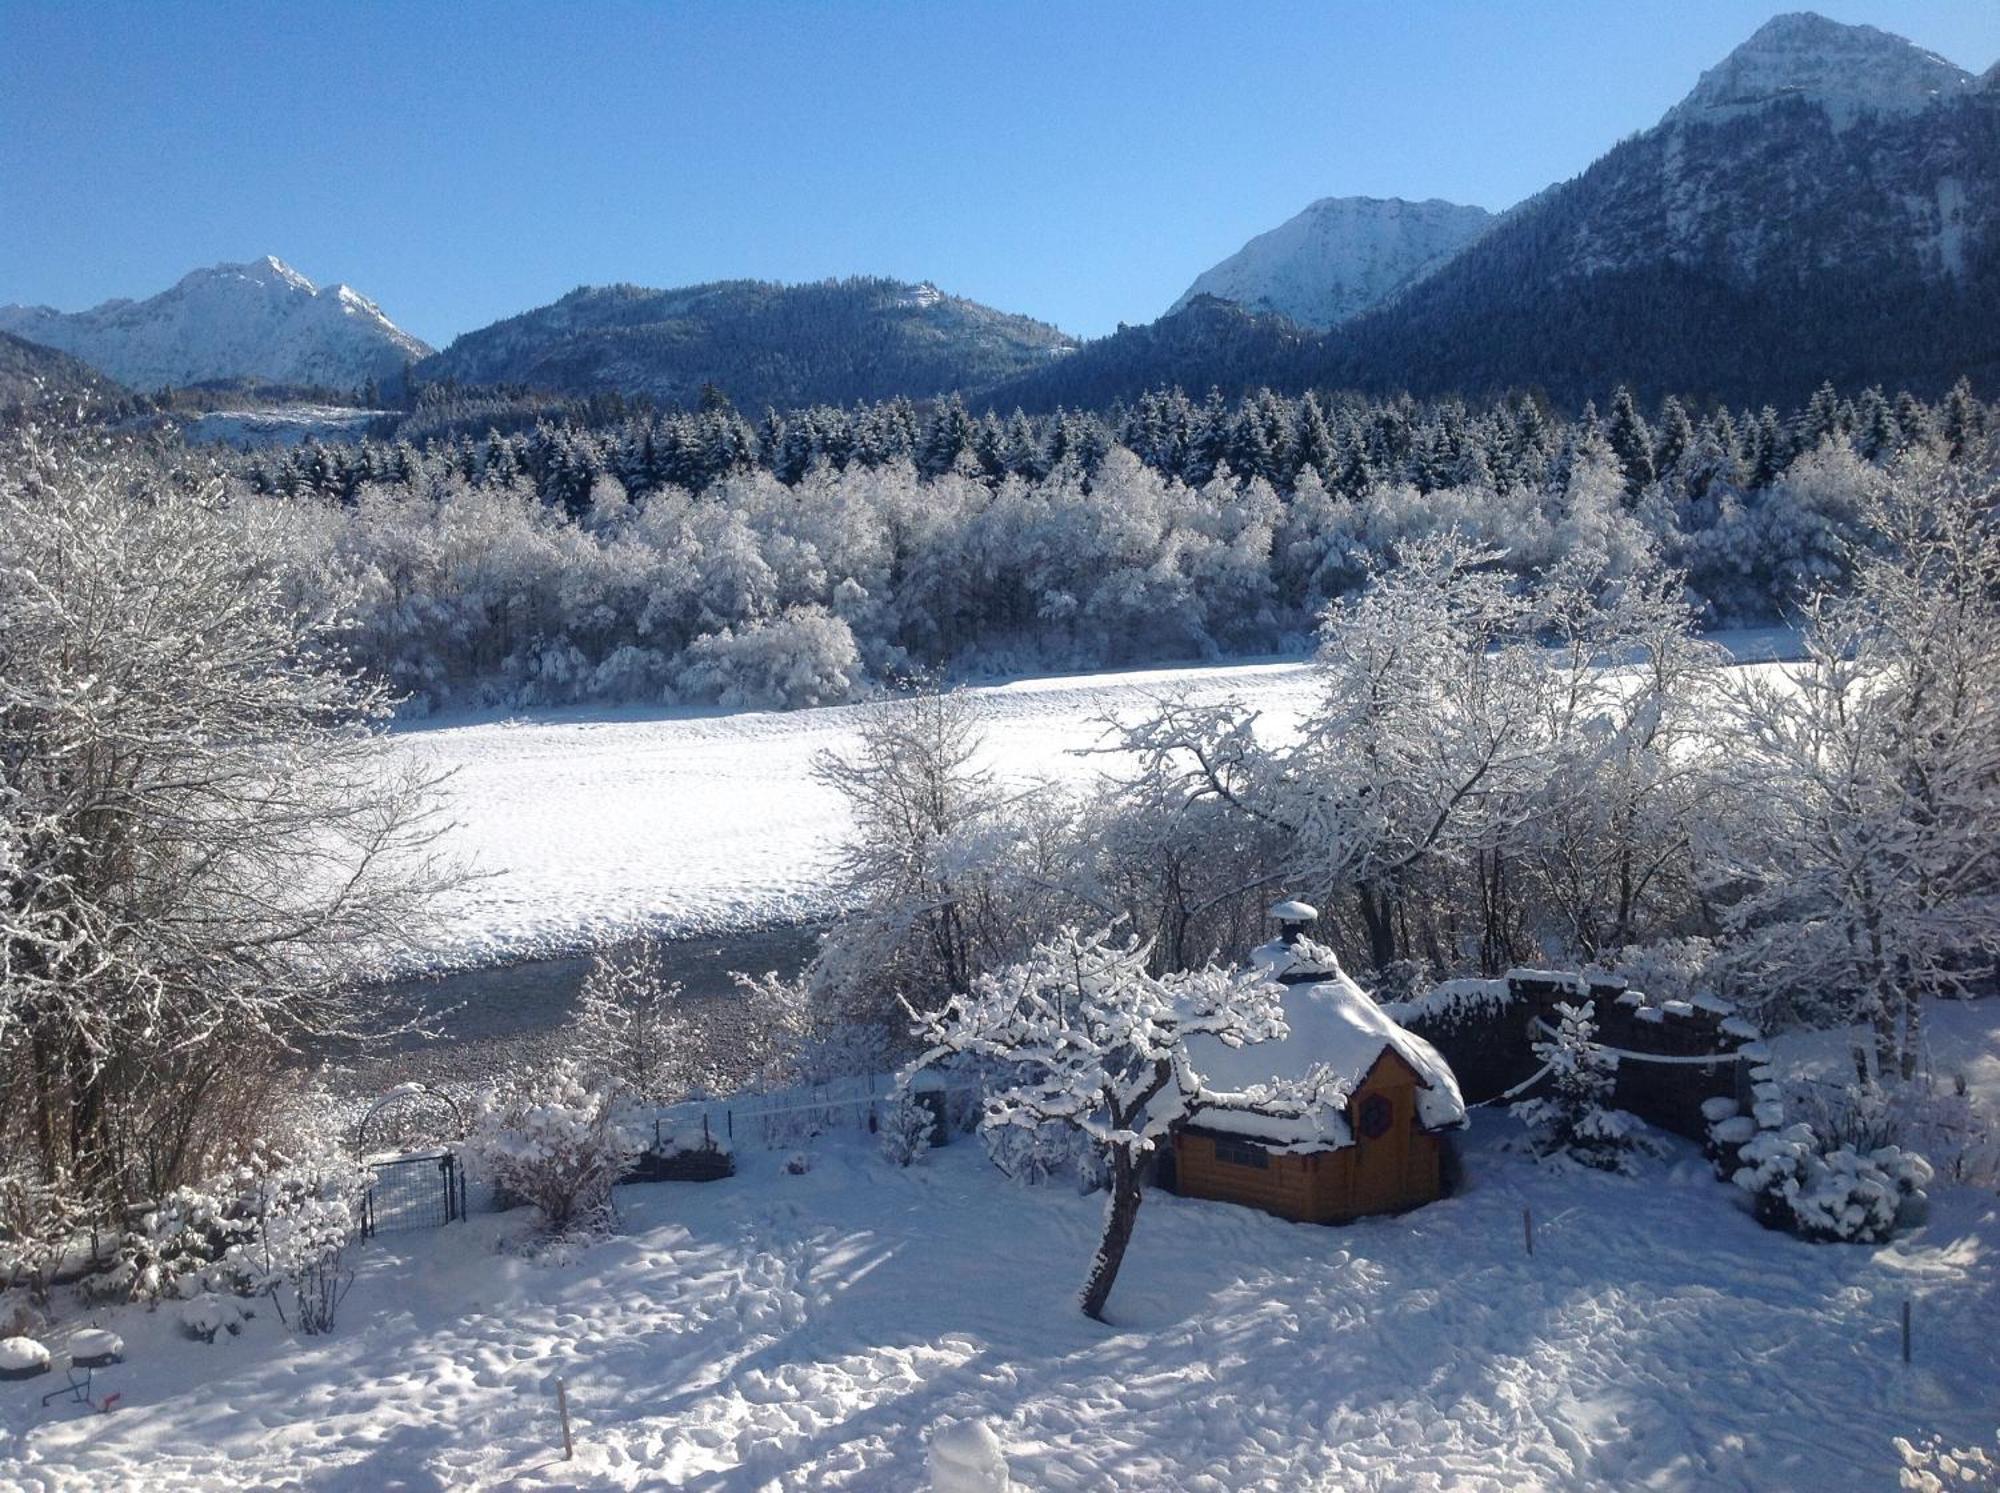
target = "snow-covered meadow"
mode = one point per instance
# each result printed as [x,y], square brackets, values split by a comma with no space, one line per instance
[590,824]
[811,1332]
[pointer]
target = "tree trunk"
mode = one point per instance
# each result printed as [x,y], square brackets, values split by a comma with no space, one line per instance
[1378,917]
[1119,1218]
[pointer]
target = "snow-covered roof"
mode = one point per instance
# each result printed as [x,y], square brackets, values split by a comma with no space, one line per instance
[1334,1031]
[1295,911]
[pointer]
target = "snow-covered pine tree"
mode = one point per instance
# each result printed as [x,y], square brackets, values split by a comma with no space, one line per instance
[1574,1120]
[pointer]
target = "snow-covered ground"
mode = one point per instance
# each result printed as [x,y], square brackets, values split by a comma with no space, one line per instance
[586,824]
[591,823]
[808,1332]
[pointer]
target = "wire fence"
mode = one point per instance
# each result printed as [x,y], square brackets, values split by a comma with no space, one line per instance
[790,1118]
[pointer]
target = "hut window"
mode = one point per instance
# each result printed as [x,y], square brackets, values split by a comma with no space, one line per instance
[1241,1153]
[1375,1116]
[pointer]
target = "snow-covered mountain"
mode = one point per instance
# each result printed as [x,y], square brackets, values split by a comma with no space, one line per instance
[261,320]
[1823,205]
[1845,71]
[1340,257]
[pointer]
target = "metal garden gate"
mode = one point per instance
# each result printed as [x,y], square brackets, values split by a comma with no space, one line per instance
[414,1192]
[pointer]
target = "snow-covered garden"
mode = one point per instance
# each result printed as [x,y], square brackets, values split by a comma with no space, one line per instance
[814,1331]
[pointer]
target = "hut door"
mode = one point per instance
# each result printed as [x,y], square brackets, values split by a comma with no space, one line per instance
[1380,1118]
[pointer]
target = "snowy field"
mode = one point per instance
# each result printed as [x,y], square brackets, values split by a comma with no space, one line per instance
[586,824]
[809,1332]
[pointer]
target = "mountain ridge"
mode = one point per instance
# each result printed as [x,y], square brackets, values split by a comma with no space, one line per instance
[259,319]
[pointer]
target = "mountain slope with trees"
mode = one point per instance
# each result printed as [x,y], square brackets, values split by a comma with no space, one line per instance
[758,343]
[1825,204]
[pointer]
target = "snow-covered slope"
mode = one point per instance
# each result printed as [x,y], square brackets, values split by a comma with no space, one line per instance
[261,320]
[1341,257]
[1845,70]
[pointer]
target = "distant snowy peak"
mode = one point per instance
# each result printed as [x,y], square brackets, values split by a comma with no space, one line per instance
[1340,257]
[1847,70]
[260,320]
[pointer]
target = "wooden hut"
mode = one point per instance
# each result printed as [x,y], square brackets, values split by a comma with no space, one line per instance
[1345,1116]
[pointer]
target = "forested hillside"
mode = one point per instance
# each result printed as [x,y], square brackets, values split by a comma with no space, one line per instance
[814,557]
[758,343]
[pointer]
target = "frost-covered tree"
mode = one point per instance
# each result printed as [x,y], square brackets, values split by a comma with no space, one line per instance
[201,838]
[924,811]
[1862,854]
[631,1029]
[1091,1041]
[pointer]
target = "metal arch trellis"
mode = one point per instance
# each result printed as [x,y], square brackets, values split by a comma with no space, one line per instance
[410,1096]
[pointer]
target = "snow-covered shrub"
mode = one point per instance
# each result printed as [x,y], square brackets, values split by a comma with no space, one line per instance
[1032,1154]
[557,1143]
[207,1314]
[1930,1466]
[38,1220]
[273,1225]
[180,1244]
[1669,969]
[837,1050]
[805,656]
[1573,1121]
[304,1216]
[1828,1194]
[906,1128]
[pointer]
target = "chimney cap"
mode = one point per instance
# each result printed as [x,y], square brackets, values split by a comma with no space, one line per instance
[1295,912]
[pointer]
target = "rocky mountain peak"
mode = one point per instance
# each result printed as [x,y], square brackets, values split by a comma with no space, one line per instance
[1846,70]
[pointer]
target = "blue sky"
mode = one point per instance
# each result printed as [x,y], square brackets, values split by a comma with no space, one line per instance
[1081,162]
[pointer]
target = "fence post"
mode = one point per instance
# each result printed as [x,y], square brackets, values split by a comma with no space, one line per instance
[1528,1229]
[562,1408]
[1906,1329]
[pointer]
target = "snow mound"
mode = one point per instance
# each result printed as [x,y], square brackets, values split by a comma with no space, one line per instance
[966,1457]
[21,1356]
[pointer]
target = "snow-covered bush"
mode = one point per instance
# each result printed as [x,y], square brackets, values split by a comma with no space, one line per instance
[806,656]
[1574,1122]
[557,1143]
[906,1128]
[1930,1466]
[1828,1193]
[38,1220]
[630,1029]
[271,1226]
[304,1217]
[1032,1154]
[204,1316]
